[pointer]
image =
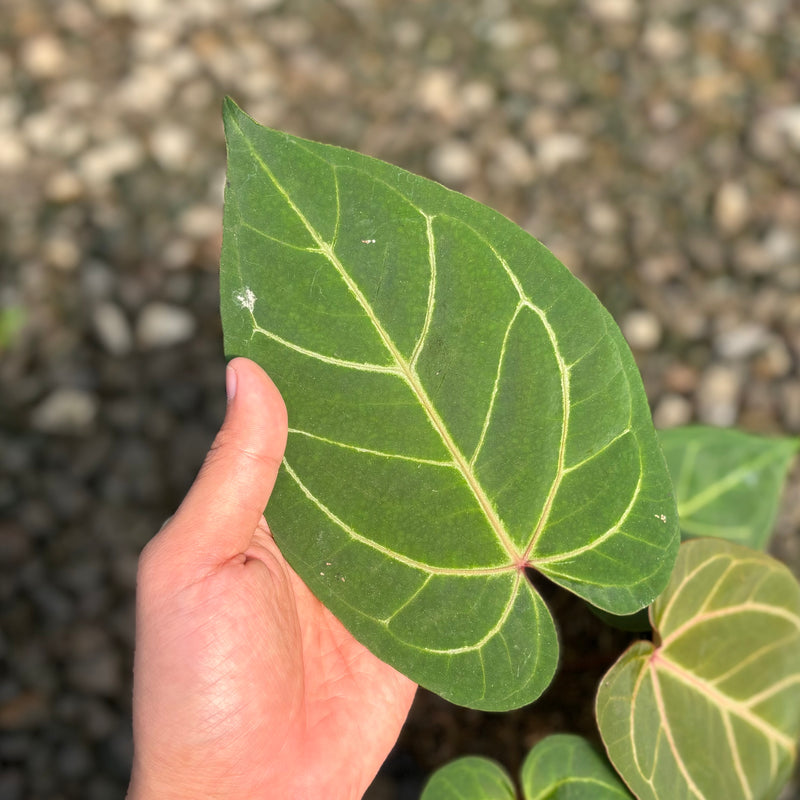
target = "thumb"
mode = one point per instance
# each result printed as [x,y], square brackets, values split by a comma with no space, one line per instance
[219,515]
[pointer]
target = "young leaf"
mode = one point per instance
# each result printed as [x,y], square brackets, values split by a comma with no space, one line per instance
[461,409]
[469,778]
[567,767]
[713,710]
[728,483]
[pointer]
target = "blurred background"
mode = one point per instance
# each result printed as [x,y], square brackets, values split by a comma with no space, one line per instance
[653,146]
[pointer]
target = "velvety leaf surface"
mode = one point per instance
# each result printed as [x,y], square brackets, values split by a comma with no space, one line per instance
[567,767]
[728,483]
[712,709]
[460,408]
[469,778]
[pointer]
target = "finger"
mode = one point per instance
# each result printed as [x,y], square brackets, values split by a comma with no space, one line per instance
[219,515]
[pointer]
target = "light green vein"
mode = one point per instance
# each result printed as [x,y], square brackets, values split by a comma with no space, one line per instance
[368,451]
[431,302]
[336,362]
[263,235]
[730,481]
[395,556]
[488,417]
[594,544]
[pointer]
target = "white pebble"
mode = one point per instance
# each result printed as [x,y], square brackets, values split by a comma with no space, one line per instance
[613,10]
[672,411]
[557,149]
[112,329]
[43,56]
[65,411]
[742,341]
[453,162]
[641,329]
[163,325]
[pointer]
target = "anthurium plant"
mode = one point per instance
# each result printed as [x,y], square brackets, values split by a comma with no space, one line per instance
[465,414]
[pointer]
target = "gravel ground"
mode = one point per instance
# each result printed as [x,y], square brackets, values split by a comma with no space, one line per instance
[654,146]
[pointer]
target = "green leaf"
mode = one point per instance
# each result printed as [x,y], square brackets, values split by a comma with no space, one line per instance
[469,778]
[461,409]
[714,709]
[728,483]
[567,767]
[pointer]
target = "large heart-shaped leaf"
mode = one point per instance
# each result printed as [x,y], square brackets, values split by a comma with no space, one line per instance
[461,409]
[712,709]
[560,767]
[727,483]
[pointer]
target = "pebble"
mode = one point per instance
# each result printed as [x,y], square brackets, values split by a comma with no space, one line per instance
[113,329]
[102,163]
[671,411]
[742,342]
[790,405]
[641,329]
[613,11]
[718,395]
[65,411]
[43,56]
[664,41]
[453,162]
[731,207]
[558,149]
[163,325]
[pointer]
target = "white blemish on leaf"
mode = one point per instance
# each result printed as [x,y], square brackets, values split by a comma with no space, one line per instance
[662,517]
[367,241]
[246,298]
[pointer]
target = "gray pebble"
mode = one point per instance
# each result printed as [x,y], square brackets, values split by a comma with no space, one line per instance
[65,411]
[112,329]
[743,341]
[162,325]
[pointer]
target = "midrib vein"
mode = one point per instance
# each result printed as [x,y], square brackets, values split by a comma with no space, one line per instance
[406,371]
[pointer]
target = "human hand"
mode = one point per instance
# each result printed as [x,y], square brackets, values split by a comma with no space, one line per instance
[245,685]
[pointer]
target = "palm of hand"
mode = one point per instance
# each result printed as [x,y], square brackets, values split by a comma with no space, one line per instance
[277,698]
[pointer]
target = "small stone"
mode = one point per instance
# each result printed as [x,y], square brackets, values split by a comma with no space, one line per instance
[790,405]
[104,162]
[163,325]
[775,361]
[13,152]
[62,252]
[512,164]
[781,245]
[557,149]
[453,162]
[663,41]
[201,222]
[65,411]
[603,219]
[43,56]
[172,146]
[742,342]
[718,395]
[64,187]
[672,411]
[641,329]
[731,207]
[680,378]
[613,11]
[74,761]
[112,329]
